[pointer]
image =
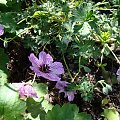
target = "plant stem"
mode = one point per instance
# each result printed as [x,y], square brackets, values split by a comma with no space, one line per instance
[1,39]
[118,61]
[78,70]
[34,78]
[67,67]
[99,82]
[102,51]
[10,39]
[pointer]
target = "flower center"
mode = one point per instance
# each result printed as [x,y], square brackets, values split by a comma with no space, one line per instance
[44,68]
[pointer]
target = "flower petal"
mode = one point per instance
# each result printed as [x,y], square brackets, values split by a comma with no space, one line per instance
[36,70]
[56,68]
[25,89]
[70,95]
[49,59]
[34,60]
[118,71]
[45,58]
[42,57]
[118,78]
[49,76]
[29,91]
[1,30]
[61,85]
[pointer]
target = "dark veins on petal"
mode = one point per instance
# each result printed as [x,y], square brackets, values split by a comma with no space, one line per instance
[44,68]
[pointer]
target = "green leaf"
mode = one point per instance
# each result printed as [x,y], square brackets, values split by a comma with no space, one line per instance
[111,114]
[41,89]
[3,2]
[69,26]
[46,105]
[85,30]
[83,116]
[3,77]
[105,101]
[8,19]
[35,109]
[86,49]
[11,107]
[14,5]
[62,46]
[3,60]
[108,87]
[106,51]
[83,12]
[87,69]
[105,90]
[66,112]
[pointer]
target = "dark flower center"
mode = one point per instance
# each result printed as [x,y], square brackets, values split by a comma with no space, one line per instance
[44,68]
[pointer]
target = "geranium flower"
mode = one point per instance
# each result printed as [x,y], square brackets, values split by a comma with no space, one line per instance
[25,90]
[62,85]
[118,74]
[44,66]
[1,30]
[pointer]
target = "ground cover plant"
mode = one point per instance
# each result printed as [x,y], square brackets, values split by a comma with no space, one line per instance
[59,60]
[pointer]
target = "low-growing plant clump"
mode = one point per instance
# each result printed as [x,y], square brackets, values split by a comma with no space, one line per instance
[59,60]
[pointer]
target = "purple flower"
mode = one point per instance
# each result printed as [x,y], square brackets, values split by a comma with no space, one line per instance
[61,85]
[118,73]
[45,67]
[1,30]
[70,95]
[25,90]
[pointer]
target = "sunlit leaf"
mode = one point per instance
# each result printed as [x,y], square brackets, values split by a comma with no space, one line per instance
[11,107]
[3,77]
[111,114]
[3,59]
[35,109]
[3,2]
[41,89]
[66,112]
[83,116]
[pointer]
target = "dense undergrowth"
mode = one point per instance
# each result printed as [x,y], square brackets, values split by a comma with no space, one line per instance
[59,59]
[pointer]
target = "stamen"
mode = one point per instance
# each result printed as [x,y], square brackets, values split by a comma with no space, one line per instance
[44,68]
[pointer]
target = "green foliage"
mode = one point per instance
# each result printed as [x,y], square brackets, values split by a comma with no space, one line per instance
[41,89]
[86,89]
[3,67]
[11,107]
[3,60]
[35,109]
[3,77]
[83,12]
[110,114]
[76,28]
[83,116]
[105,87]
[66,112]
[3,2]
[105,101]
[9,22]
